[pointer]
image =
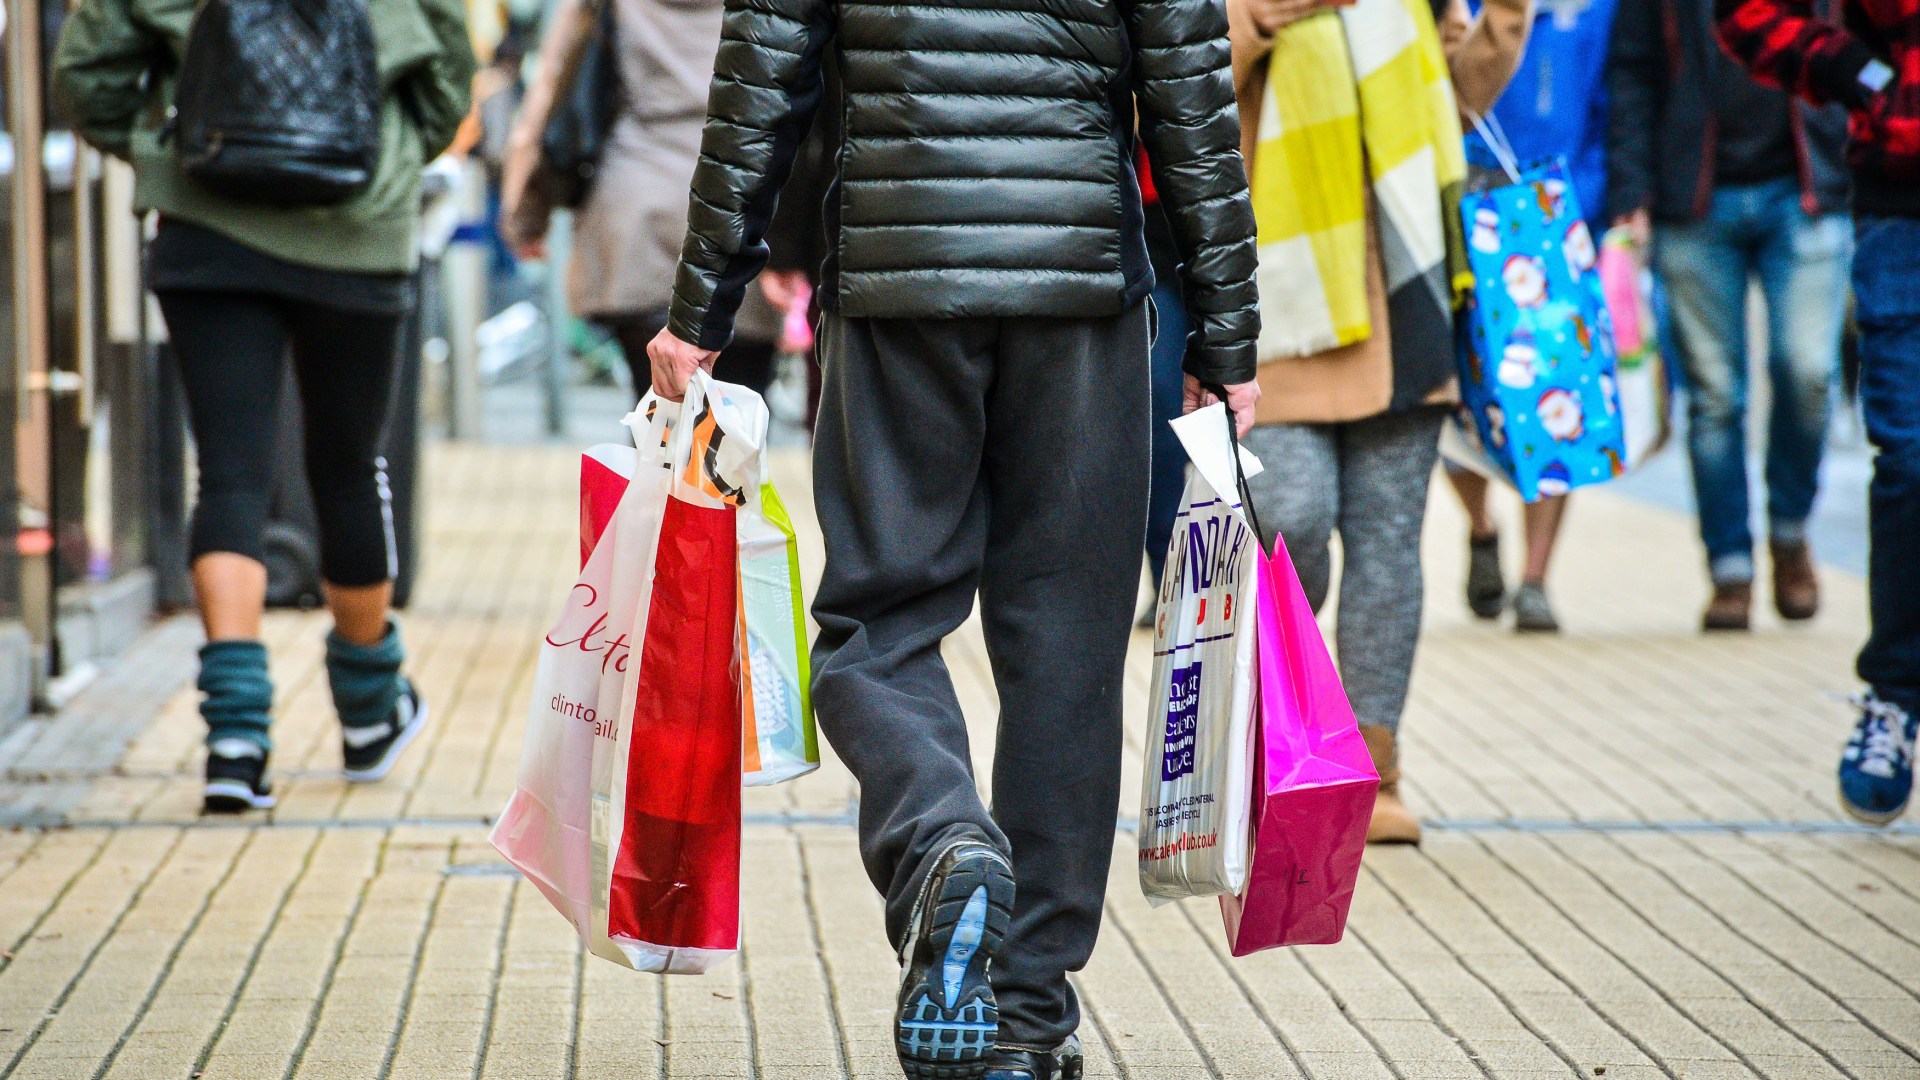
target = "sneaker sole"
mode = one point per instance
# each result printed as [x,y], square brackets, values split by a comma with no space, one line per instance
[379,769]
[1868,817]
[948,1022]
[234,797]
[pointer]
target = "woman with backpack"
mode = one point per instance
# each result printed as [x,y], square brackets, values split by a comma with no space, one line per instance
[280,143]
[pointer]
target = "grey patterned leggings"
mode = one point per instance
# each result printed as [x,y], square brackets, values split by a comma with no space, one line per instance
[1368,479]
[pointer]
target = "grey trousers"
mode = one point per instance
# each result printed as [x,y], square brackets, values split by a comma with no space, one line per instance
[1007,457]
[1368,480]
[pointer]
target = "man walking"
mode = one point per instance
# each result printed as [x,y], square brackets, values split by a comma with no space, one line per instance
[1738,181]
[983,427]
[1873,69]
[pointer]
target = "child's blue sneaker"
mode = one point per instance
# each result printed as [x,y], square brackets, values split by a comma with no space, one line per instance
[1876,769]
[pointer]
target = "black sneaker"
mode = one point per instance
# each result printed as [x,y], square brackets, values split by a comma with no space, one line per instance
[237,777]
[1486,587]
[1063,1062]
[370,751]
[947,1021]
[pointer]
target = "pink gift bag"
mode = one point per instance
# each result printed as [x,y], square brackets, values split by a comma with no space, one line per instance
[1313,781]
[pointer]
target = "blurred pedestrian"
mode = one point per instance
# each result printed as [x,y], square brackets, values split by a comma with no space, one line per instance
[983,429]
[1871,69]
[1356,287]
[627,233]
[1555,107]
[1735,181]
[240,276]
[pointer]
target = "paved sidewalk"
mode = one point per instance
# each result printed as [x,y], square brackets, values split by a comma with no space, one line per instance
[1634,867]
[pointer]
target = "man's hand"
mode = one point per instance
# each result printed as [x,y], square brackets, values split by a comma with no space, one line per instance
[1272,16]
[782,287]
[1241,398]
[1640,225]
[674,362]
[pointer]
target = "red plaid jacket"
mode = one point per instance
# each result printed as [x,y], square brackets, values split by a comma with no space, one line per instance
[1785,45]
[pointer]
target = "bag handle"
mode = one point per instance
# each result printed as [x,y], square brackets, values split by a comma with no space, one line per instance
[1239,474]
[1495,136]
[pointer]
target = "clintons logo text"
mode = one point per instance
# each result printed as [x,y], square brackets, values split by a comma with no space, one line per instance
[613,651]
[1183,723]
[580,710]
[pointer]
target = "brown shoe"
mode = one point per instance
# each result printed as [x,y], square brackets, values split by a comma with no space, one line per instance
[1796,588]
[1731,607]
[1392,822]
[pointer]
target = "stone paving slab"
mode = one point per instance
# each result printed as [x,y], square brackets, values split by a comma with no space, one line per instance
[1634,866]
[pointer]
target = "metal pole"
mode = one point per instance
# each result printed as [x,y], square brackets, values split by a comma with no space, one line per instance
[559,321]
[465,278]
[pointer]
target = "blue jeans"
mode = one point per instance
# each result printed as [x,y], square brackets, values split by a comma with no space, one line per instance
[1169,457]
[1886,284]
[1801,261]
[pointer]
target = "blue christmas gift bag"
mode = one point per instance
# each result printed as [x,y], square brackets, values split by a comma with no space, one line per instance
[1536,351]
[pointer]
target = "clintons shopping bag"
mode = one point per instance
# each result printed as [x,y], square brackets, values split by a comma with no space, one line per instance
[778,739]
[1313,781]
[1193,806]
[626,814]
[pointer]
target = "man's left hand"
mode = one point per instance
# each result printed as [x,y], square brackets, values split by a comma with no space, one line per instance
[674,362]
[1241,398]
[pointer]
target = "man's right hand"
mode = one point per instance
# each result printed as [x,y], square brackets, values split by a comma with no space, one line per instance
[1241,398]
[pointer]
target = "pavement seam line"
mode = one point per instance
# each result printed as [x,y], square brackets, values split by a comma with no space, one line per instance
[405,1013]
[1252,999]
[1820,884]
[246,973]
[113,926]
[347,926]
[1160,987]
[1581,929]
[1420,999]
[1812,980]
[1458,958]
[1778,1021]
[818,939]
[493,984]
[53,902]
[1546,964]
[579,1002]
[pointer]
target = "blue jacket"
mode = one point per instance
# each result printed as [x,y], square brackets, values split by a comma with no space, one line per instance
[1556,104]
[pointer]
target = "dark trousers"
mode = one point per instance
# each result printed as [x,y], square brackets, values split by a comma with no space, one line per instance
[1007,457]
[1886,284]
[232,350]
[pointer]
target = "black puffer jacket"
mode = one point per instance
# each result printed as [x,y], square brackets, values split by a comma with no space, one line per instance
[987,162]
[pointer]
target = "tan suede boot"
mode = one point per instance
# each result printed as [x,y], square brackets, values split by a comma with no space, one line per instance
[1392,822]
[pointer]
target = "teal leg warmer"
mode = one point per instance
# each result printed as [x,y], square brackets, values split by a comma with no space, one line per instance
[239,692]
[365,679]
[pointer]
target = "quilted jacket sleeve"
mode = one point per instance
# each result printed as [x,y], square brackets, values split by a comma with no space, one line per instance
[766,86]
[1191,127]
[101,71]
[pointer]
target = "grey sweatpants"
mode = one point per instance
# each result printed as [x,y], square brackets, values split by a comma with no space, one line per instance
[1007,457]
[1368,479]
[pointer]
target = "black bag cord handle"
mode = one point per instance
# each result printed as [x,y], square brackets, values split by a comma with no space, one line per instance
[1239,474]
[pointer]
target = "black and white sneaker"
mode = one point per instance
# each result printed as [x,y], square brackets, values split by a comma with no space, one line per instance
[237,777]
[947,1021]
[370,751]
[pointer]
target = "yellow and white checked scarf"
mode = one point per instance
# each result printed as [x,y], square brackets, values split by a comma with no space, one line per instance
[1369,77]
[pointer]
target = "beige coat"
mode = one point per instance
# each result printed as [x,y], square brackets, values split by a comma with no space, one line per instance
[1355,381]
[627,237]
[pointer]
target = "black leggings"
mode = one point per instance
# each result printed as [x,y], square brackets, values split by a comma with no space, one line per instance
[231,348]
[742,362]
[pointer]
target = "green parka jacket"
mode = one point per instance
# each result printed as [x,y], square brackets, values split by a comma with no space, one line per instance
[986,166]
[114,80]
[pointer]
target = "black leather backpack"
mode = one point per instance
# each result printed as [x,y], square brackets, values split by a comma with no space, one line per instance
[279,100]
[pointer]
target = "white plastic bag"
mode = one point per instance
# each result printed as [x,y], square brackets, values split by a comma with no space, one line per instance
[568,825]
[1198,783]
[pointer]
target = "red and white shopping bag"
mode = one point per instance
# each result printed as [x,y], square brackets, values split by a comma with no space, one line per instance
[626,814]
